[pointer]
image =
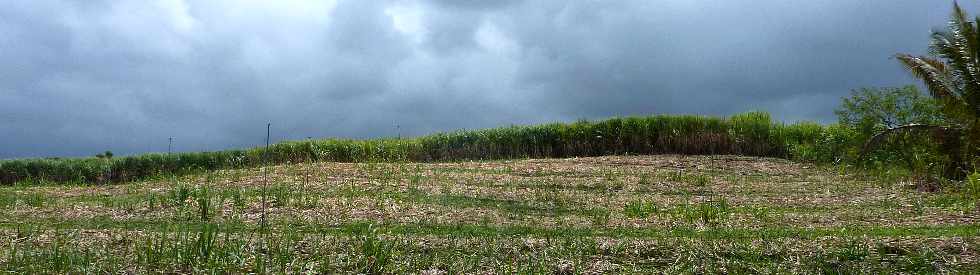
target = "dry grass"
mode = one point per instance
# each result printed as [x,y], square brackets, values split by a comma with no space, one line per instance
[659,212]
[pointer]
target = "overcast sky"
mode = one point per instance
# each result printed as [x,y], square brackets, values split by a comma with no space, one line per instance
[81,77]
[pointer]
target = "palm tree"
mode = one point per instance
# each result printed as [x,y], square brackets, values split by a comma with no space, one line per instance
[952,75]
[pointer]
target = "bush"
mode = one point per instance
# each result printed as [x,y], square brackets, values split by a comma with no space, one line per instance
[872,110]
[869,111]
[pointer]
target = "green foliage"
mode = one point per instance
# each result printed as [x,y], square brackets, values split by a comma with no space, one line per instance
[872,110]
[952,71]
[972,186]
[952,75]
[640,209]
[711,213]
[376,252]
[869,111]
[835,143]
[753,134]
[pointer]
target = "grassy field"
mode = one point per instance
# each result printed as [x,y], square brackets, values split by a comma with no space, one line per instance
[623,214]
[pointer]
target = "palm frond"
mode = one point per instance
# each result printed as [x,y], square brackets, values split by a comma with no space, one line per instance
[950,46]
[964,28]
[940,82]
[960,46]
[931,71]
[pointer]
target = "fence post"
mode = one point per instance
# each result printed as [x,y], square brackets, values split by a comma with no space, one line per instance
[265,176]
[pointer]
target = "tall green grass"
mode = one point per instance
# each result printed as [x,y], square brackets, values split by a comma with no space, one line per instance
[753,134]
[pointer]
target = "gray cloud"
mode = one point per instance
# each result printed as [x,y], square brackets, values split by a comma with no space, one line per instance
[78,78]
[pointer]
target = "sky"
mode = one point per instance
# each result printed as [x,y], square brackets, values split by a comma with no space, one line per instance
[82,77]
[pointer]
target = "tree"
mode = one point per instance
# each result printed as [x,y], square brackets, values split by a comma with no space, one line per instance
[952,76]
[872,110]
[869,111]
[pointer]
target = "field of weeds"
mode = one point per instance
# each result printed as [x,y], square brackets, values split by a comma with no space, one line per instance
[623,214]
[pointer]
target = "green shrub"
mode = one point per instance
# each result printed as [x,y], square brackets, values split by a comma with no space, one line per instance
[869,111]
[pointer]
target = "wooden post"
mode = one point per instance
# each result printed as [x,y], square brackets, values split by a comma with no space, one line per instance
[265,170]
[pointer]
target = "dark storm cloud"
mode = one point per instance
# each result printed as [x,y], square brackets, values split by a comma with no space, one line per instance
[80,77]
